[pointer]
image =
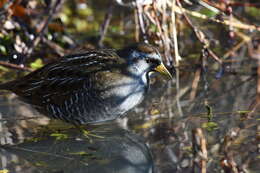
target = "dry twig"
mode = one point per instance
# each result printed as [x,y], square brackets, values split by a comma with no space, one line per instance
[228,163]
[44,25]
[14,66]
[104,26]
[199,150]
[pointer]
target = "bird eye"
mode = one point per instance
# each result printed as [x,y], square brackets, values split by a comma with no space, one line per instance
[148,60]
[153,61]
[135,59]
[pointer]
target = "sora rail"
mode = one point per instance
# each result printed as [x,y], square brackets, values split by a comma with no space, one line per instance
[91,87]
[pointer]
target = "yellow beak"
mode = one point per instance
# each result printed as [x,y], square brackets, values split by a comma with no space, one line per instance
[163,70]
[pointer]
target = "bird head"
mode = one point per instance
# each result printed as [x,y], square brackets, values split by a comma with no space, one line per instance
[144,58]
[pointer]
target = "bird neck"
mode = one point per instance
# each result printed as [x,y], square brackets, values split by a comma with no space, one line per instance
[141,75]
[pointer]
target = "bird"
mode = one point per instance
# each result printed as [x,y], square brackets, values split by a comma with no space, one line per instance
[91,87]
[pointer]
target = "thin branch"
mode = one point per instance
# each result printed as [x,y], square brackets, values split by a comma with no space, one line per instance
[14,66]
[141,21]
[235,23]
[195,84]
[137,27]
[104,26]
[199,150]
[201,36]
[174,34]
[134,4]
[44,26]
[178,96]
[57,48]
[18,119]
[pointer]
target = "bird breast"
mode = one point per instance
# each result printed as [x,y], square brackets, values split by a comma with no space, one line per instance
[131,96]
[128,94]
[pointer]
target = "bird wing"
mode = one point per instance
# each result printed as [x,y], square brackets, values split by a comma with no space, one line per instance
[57,81]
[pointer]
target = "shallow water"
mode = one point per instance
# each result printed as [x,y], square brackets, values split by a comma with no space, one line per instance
[165,132]
[162,134]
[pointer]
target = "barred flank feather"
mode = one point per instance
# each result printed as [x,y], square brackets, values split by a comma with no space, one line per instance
[90,87]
